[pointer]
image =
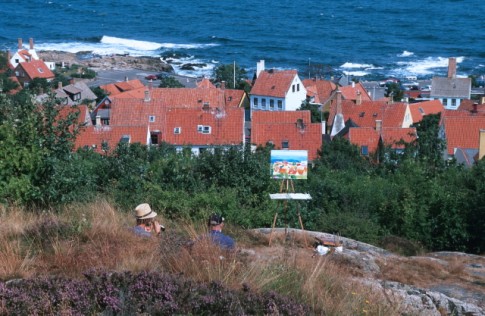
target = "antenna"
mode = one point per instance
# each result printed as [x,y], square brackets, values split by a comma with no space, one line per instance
[234,78]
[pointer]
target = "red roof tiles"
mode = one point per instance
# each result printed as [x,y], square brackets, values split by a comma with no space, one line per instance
[36,69]
[274,83]
[293,127]
[420,109]
[462,132]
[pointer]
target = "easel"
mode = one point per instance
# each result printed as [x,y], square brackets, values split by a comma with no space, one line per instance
[287,190]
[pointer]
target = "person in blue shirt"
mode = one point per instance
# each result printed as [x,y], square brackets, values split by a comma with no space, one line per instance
[146,224]
[216,223]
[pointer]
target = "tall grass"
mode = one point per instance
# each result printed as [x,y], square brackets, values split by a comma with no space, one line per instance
[83,237]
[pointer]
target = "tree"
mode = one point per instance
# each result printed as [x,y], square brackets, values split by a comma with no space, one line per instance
[170,82]
[227,73]
[394,90]
[316,113]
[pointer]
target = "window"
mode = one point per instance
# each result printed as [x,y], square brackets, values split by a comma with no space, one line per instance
[364,150]
[204,129]
[154,138]
[263,103]
[453,102]
[293,88]
[125,139]
[255,104]
[271,104]
[177,130]
[40,70]
[151,118]
[280,105]
[297,87]
[285,144]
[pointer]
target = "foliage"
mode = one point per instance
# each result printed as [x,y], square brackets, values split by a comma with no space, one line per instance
[316,113]
[100,93]
[233,75]
[39,85]
[85,73]
[143,293]
[170,82]
[394,89]
[6,84]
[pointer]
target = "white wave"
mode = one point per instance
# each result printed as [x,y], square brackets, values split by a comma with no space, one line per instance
[356,73]
[406,54]
[130,43]
[426,66]
[354,65]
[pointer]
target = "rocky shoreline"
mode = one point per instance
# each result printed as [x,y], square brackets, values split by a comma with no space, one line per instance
[108,62]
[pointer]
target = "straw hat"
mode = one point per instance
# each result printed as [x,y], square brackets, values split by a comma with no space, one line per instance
[143,211]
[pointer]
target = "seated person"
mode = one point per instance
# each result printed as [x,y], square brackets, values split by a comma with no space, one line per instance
[146,225]
[216,223]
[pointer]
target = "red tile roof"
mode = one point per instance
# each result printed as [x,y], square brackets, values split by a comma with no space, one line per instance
[36,69]
[462,132]
[94,137]
[420,109]
[321,90]
[226,126]
[351,92]
[282,126]
[118,87]
[274,83]
[364,136]
[366,114]
[391,136]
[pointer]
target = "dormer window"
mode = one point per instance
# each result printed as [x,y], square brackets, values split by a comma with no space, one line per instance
[285,144]
[204,129]
[177,130]
[40,70]
[151,118]
[125,139]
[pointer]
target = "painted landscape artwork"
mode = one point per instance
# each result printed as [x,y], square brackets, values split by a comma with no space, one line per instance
[289,164]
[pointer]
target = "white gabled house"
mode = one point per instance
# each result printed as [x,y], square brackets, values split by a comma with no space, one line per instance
[275,90]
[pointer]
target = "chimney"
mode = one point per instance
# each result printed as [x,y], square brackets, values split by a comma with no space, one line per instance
[20,44]
[359,98]
[9,55]
[98,121]
[259,67]
[126,78]
[147,96]
[31,43]
[59,85]
[481,147]
[378,126]
[452,67]
[223,85]
[339,102]
[353,84]
[71,81]
[475,108]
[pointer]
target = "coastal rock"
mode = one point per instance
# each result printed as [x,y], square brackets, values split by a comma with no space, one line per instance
[113,62]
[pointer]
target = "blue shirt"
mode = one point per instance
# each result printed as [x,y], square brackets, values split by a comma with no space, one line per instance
[222,240]
[140,231]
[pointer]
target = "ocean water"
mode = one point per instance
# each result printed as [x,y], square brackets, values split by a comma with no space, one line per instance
[367,39]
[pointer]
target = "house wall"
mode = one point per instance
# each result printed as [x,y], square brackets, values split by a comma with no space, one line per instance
[295,95]
[450,103]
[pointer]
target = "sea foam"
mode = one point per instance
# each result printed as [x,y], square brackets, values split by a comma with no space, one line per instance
[427,66]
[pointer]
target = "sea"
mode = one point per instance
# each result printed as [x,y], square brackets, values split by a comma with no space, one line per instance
[364,39]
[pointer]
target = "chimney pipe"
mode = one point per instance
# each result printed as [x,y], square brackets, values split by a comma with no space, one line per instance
[259,67]
[20,44]
[31,43]
[475,108]
[452,67]
[147,96]
[223,85]
[481,148]
[98,121]
[59,85]
[359,98]
[339,102]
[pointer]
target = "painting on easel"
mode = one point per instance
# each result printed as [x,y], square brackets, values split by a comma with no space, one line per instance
[289,164]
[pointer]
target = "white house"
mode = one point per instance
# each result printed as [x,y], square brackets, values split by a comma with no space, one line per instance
[23,55]
[275,90]
[451,90]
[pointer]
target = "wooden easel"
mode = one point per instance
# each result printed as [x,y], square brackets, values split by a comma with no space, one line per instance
[287,192]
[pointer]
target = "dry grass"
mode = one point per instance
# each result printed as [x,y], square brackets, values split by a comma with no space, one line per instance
[98,236]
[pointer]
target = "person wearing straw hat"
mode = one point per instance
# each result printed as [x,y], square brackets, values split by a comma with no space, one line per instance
[146,225]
